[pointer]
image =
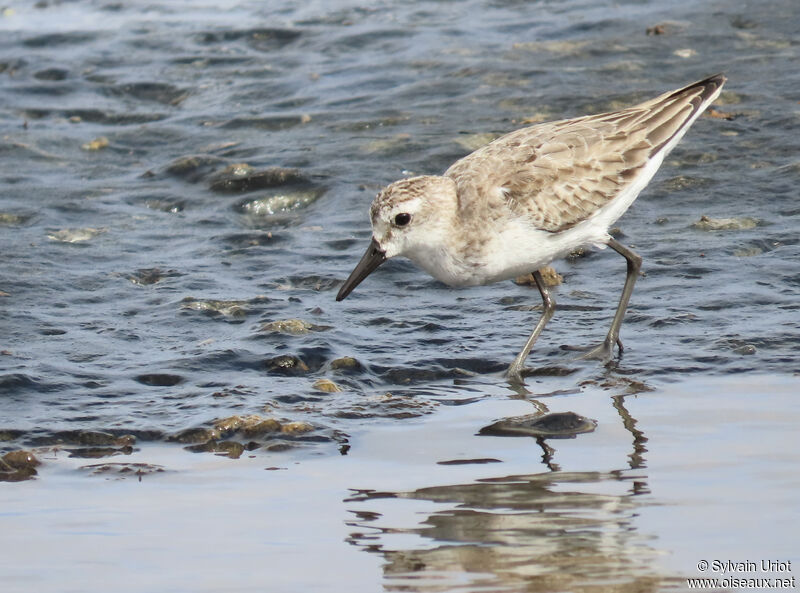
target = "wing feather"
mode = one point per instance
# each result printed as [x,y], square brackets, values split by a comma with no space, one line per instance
[560,173]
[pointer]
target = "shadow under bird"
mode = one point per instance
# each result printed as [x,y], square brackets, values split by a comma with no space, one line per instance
[532,196]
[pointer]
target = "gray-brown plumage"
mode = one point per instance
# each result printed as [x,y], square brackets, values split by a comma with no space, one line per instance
[532,196]
[559,173]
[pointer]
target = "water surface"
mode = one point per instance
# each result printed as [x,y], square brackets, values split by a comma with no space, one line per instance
[177,176]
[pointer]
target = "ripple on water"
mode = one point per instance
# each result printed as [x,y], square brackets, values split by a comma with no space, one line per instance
[261,39]
[241,161]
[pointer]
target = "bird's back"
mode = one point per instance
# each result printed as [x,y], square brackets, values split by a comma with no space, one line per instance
[559,174]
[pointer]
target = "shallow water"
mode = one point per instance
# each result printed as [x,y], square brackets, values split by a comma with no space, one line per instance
[175,176]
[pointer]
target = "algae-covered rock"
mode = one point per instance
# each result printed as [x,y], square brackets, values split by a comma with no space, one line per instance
[230,449]
[6,218]
[16,466]
[96,144]
[148,276]
[280,203]
[20,459]
[232,309]
[98,438]
[195,435]
[287,364]
[241,177]
[262,426]
[345,363]
[296,428]
[725,224]
[98,452]
[229,424]
[193,168]
[549,275]
[326,385]
[473,142]
[292,327]
[123,470]
[558,425]
[250,426]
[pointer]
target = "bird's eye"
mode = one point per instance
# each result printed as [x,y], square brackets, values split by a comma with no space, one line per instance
[402,219]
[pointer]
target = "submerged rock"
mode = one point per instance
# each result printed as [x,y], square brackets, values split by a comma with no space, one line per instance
[16,466]
[96,144]
[748,251]
[20,459]
[296,428]
[261,427]
[250,426]
[281,203]
[549,275]
[97,438]
[346,363]
[98,452]
[148,276]
[391,145]
[241,177]
[558,425]
[230,449]
[287,365]
[229,424]
[473,142]
[293,327]
[259,431]
[6,218]
[746,350]
[725,224]
[571,48]
[193,168]
[236,310]
[626,385]
[75,235]
[195,435]
[685,53]
[123,470]
[159,379]
[326,385]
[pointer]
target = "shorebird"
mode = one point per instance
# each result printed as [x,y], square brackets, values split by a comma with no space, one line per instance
[532,196]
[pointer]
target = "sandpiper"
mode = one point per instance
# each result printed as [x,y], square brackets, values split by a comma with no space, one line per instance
[532,196]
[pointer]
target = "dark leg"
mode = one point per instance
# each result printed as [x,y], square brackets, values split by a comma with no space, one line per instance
[604,351]
[514,373]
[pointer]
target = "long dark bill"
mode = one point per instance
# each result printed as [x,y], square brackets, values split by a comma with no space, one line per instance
[371,260]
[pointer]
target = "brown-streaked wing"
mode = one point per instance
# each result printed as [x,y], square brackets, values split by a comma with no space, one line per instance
[558,174]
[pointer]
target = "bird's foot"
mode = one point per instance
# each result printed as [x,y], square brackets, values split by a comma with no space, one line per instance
[604,352]
[514,376]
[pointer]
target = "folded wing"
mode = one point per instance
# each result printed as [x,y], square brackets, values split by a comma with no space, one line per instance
[559,174]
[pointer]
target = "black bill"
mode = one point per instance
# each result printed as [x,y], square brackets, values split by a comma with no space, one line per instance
[374,257]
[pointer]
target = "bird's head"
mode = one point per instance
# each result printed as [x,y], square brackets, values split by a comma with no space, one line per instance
[409,217]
